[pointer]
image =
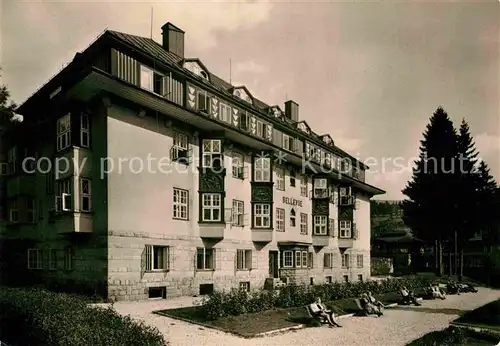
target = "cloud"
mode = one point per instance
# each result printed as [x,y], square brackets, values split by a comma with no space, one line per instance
[250,66]
[487,144]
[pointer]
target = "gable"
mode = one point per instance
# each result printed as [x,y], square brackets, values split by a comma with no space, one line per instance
[242,93]
[276,112]
[302,126]
[327,139]
[197,68]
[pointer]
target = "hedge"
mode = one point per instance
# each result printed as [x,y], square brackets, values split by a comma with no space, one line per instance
[222,304]
[39,317]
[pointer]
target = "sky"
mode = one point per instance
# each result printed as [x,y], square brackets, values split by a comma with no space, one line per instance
[369,74]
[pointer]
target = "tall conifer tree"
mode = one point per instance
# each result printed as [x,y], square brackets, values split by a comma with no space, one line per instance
[428,211]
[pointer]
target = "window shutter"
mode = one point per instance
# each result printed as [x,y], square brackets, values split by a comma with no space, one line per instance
[217,257]
[251,259]
[143,261]
[281,255]
[246,220]
[236,262]
[325,260]
[171,257]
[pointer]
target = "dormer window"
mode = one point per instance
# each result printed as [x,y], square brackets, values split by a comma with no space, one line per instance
[204,74]
[242,94]
[196,68]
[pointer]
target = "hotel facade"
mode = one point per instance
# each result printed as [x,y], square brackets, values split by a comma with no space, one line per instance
[138,173]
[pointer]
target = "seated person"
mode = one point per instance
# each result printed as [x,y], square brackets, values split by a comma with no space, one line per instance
[318,309]
[408,297]
[374,301]
[368,307]
[435,292]
[452,287]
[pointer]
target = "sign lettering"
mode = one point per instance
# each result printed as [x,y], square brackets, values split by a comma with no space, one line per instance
[292,201]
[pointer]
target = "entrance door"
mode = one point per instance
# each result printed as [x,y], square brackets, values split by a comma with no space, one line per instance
[273,264]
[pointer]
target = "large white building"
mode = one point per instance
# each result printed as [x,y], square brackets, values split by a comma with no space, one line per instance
[232,192]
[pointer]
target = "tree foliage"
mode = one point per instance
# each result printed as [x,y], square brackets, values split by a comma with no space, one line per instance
[7,108]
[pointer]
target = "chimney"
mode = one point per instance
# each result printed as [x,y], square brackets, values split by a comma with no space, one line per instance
[292,110]
[173,39]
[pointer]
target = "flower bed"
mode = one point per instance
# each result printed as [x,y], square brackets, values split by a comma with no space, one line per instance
[234,303]
[39,317]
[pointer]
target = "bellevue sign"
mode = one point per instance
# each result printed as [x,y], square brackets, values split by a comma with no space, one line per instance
[292,201]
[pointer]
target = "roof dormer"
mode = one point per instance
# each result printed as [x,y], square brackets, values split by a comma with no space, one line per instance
[302,126]
[327,139]
[196,67]
[242,93]
[276,112]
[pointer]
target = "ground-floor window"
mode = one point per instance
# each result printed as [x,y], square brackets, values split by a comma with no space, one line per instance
[301,259]
[359,261]
[245,286]
[287,259]
[157,258]
[34,259]
[243,259]
[328,260]
[69,258]
[205,259]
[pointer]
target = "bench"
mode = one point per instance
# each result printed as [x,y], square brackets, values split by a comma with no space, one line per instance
[321,319]
[360,307]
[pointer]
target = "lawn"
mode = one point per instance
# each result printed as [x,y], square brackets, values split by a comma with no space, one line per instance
[453,336]
[249,325]
[486,316]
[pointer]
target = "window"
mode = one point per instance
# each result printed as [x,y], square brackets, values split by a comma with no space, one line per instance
[280,179]
[180,204]
[346,278]
[237,165]
[360,278]
[320,223]
[52,259]
[292,218]
[244,259]
[225,113]
[158,83]
[64,132]
[303,223]
[146,78]
[85,195]
[69,258]
[287,259]
[180,148]
[288,143]
[34,259]
[245,286]
[238,213]
[244,121]
[211,207]
[328,260]
[63,195]
[303,186]
[84,131]
[205,259]
[14,210]
[301,259]
[344,191]
[359,261]
[12,159]
[262,169]
[261,129]
[292,178]
[280,220]
[157,258]
[262,215]
[30,210]
[212,153]
[203,101]
[320,188]
[345,229]
[328,279]
[345,260]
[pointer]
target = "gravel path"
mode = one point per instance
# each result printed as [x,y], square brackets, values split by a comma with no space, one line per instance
[396,328]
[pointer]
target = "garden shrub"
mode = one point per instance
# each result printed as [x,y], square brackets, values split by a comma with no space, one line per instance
[57,319]
[234,303]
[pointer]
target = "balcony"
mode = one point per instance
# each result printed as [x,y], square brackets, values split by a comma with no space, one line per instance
[320,240]
[348,242]
[212,231]
[347,201]
[262,235]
